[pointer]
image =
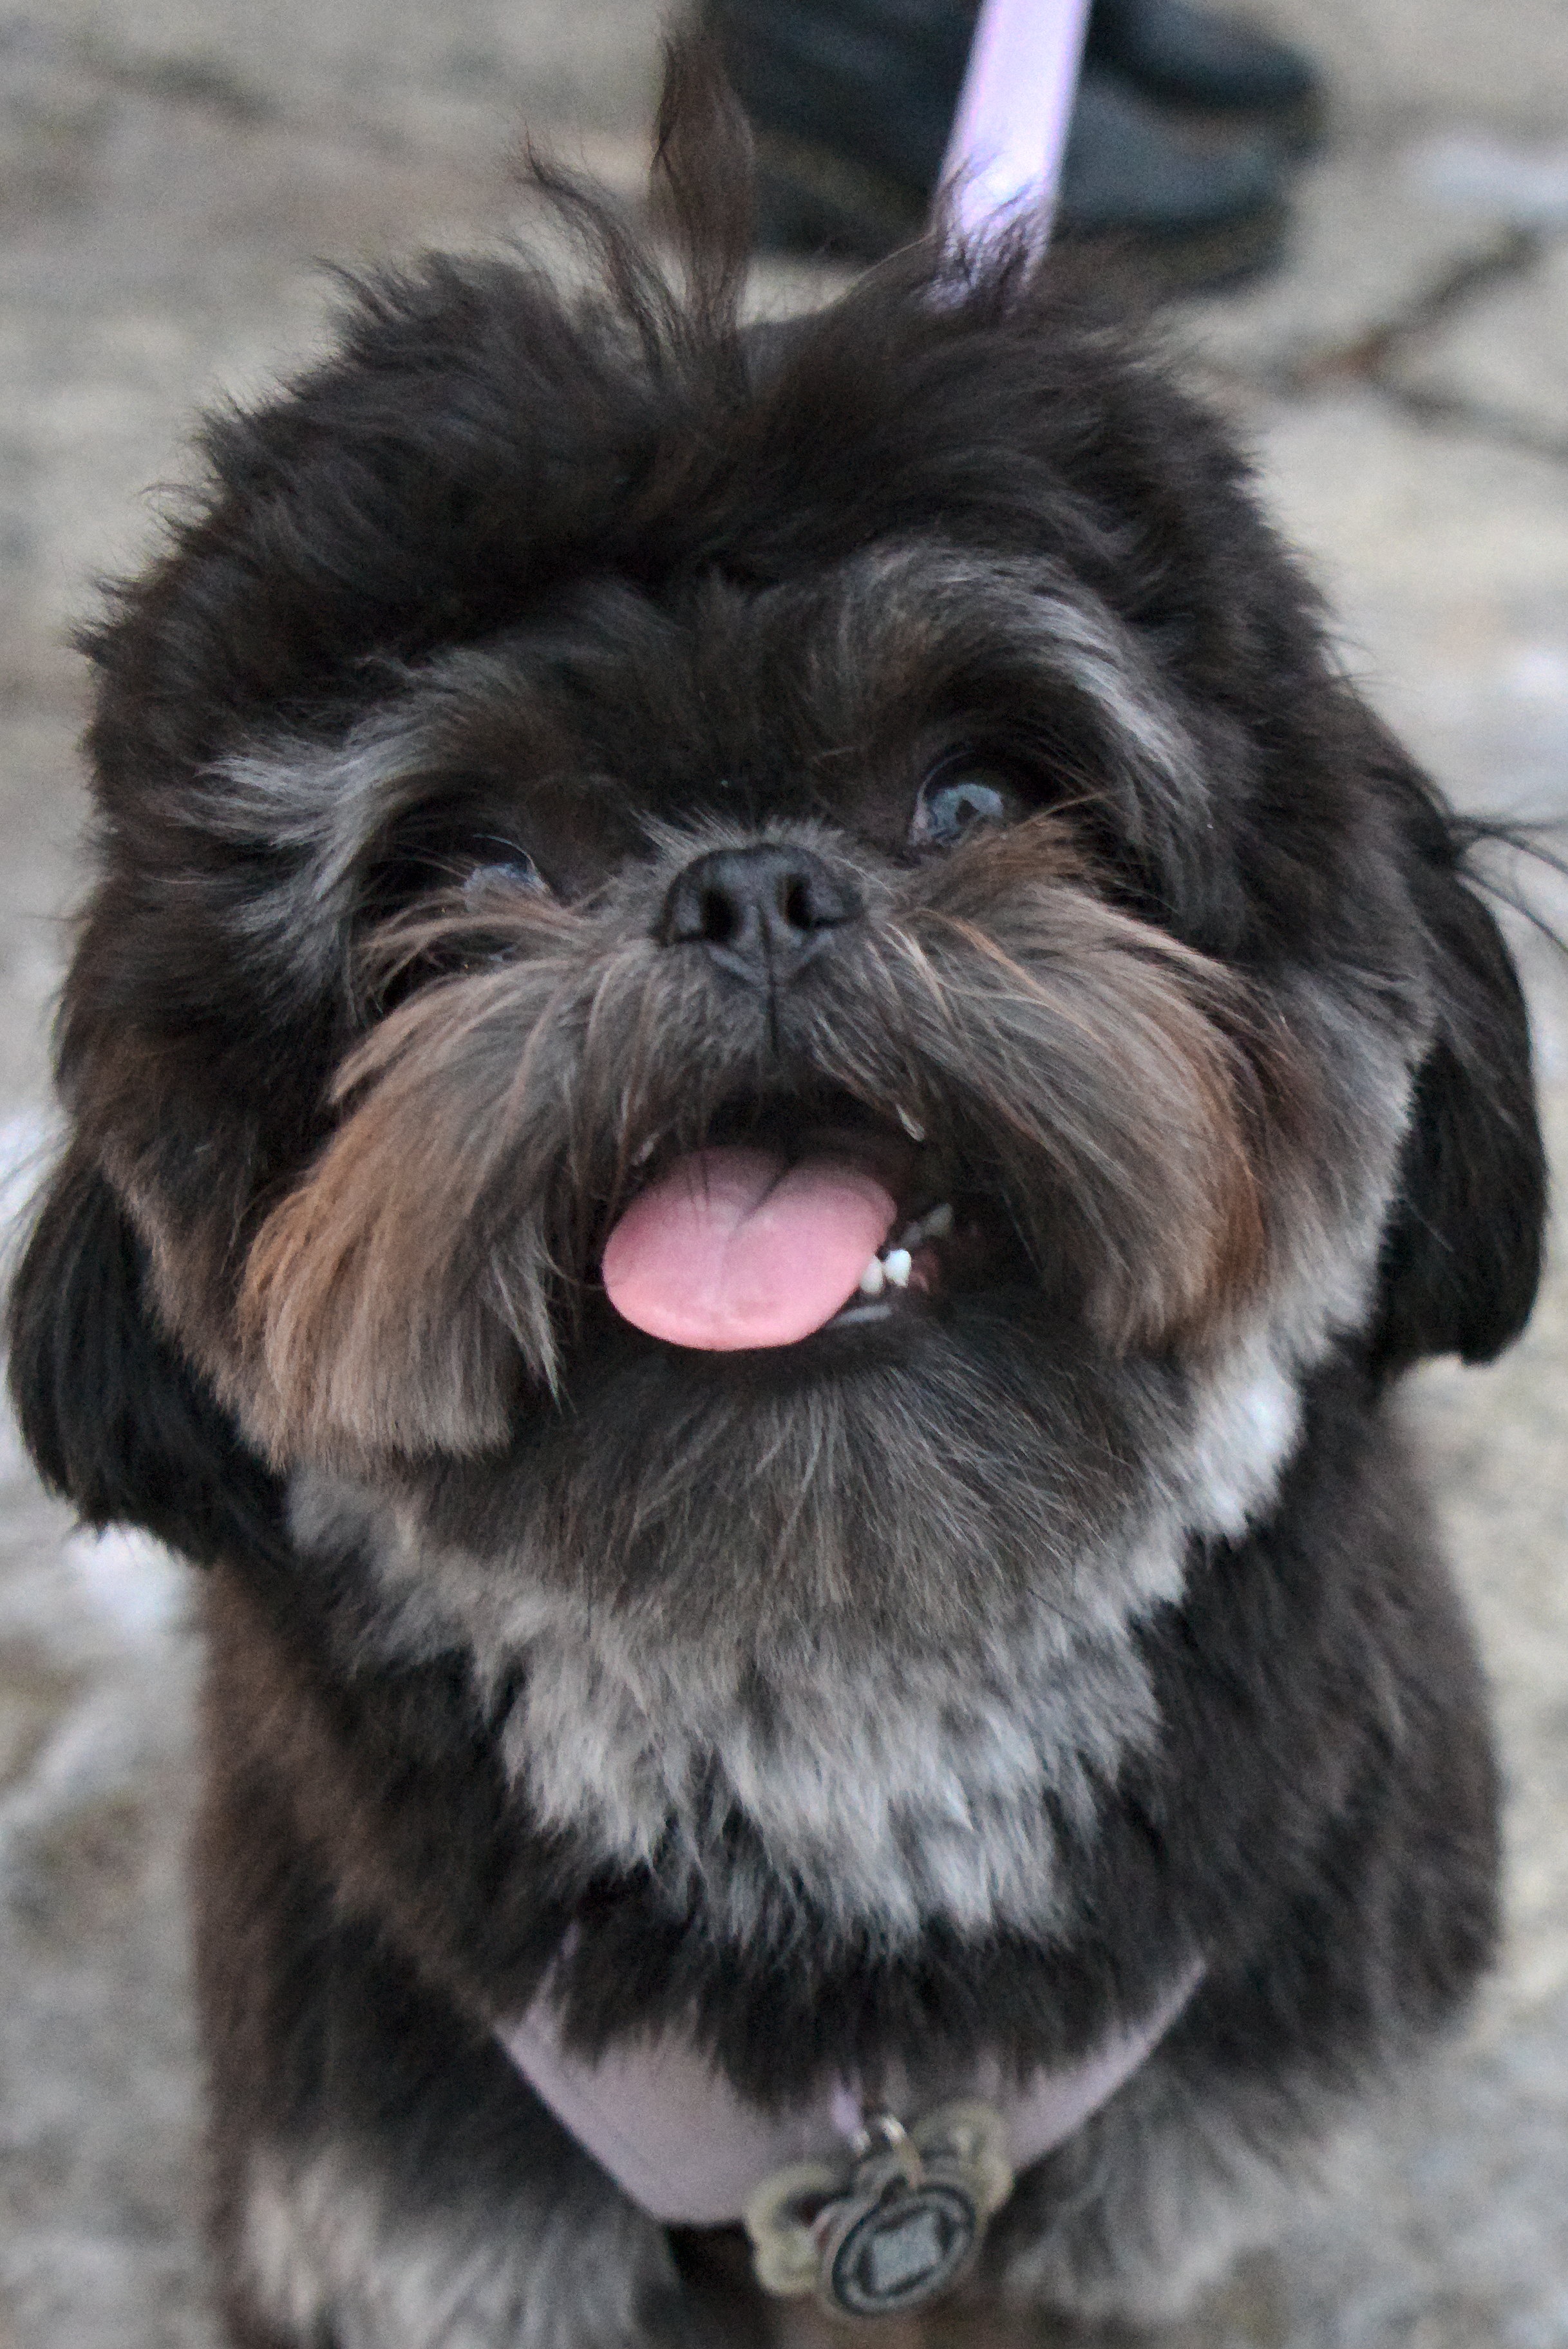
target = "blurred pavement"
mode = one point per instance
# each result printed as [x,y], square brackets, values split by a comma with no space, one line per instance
[169,170]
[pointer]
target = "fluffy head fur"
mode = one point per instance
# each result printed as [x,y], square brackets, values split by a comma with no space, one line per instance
[851,1671]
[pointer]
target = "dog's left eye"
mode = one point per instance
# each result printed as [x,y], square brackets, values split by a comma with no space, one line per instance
[956,801]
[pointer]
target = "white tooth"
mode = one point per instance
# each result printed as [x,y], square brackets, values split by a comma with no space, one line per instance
[911,1235]
[912,1127]
[871,1280]
[896,1265]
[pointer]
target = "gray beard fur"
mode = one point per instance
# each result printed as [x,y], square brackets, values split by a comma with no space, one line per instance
[890,1780]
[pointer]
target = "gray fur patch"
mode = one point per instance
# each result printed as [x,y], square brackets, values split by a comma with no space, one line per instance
[1154,2198]
[891,1790]
[321,806]
[1061,626]
[326,2243]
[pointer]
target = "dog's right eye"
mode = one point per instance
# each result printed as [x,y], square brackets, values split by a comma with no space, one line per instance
[516,872]
[956,801]
[428,854]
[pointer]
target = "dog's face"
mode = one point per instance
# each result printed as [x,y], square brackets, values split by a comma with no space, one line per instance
[772,981]
[693,947]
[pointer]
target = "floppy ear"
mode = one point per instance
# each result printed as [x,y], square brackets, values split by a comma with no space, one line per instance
[1462,1261]
[116,1421]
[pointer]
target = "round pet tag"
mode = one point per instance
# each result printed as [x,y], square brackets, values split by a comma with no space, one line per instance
[909,2244]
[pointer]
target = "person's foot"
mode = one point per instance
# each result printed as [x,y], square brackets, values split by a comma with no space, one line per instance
[1201,214]
[1190,57]
[851,102]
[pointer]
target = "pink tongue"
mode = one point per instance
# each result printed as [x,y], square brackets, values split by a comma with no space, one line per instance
[732,1248]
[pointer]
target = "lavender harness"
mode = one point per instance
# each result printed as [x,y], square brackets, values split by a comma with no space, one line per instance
[876,2209]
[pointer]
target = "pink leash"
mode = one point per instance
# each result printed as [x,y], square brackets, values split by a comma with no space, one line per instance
[1004,154]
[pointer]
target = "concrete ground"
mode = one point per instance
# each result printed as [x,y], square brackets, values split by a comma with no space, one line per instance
[169,169]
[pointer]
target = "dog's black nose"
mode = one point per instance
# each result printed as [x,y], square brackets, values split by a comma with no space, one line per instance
[762,913]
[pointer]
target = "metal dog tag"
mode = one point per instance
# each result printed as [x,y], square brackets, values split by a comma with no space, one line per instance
[902,2228]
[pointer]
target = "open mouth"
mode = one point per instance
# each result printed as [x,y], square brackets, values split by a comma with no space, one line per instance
[787,1221]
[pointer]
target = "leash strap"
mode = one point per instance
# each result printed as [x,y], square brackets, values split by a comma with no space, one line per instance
[1009,135]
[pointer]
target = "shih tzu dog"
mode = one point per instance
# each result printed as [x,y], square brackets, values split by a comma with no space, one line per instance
[767,1076]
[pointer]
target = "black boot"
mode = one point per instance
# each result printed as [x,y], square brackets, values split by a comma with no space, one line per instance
[1186,57]
[1200,214]
[852,101]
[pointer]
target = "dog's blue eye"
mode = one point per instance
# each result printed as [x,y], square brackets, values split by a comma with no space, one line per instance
[949,808]
[518,871]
